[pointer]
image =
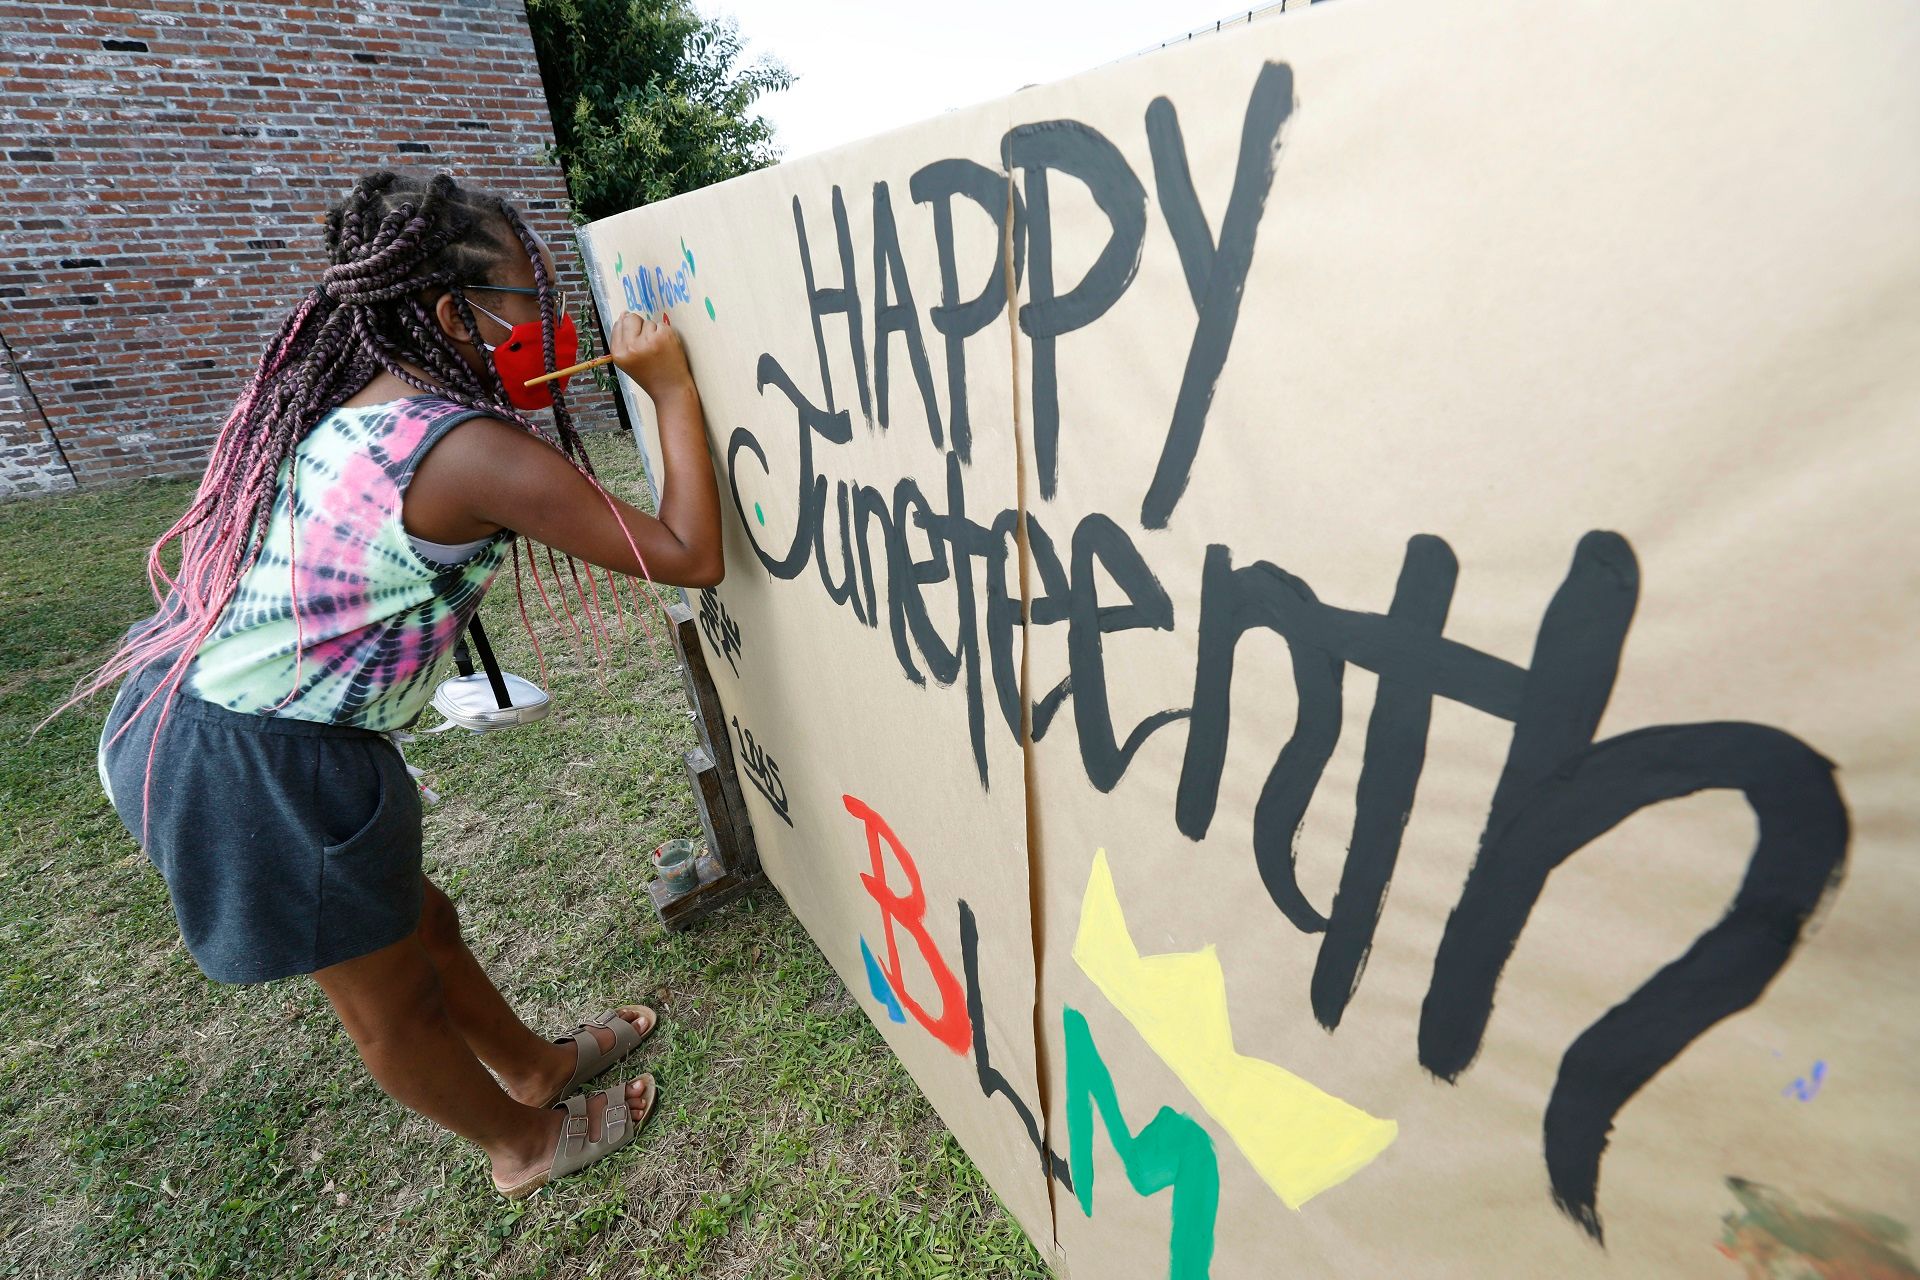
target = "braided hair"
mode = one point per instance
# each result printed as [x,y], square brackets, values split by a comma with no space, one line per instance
[394,245]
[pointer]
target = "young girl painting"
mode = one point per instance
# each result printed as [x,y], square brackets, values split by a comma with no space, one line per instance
[366,489]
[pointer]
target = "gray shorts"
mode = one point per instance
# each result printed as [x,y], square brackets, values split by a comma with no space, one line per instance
[286,845]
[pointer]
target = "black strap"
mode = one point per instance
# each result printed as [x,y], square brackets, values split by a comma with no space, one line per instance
[464,661]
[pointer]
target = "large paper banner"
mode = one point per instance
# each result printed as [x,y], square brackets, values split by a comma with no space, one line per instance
[1322,625]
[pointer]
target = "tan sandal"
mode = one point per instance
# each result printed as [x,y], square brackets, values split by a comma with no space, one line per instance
[574,1150]
[591,1060]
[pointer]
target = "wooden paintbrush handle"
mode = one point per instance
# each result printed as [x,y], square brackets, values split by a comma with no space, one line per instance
[570,370]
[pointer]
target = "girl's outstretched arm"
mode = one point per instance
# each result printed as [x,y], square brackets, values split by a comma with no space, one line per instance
[489,475]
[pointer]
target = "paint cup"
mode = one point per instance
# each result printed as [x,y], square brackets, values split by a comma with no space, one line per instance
[677,866]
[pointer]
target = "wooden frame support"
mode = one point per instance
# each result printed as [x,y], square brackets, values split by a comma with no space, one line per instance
[711,720]
[731,864]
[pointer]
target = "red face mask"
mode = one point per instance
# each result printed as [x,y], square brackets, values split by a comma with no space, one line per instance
[520,357]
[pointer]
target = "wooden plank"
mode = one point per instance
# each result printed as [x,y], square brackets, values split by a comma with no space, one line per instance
[715,823]
[717,888]
[741,855]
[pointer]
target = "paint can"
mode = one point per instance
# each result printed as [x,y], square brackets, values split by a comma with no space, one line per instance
[677,865]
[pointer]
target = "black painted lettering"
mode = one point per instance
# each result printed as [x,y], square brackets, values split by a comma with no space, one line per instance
[842,299]
[1099,538]
[1223,269]
[1395,753]
[1071,148]
[897,316]
[938,184]
[835,428]
[1797,861]
[991,1080]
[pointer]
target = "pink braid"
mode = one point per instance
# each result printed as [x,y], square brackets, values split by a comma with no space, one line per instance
[520,599]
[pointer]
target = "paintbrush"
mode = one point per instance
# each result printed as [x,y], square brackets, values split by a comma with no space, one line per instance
[583,366]
[571,369]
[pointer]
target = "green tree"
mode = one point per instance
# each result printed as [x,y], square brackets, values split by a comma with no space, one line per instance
[649,99]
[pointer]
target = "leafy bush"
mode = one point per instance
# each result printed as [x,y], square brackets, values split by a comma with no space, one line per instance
[649,99]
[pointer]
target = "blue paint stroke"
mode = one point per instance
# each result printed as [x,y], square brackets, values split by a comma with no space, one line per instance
[651,290]
[882,989]
[1807,1086]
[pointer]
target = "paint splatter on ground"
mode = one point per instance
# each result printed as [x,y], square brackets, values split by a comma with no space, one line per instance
[1775,1239]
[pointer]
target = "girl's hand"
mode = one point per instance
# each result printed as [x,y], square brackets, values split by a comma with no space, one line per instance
[649,352]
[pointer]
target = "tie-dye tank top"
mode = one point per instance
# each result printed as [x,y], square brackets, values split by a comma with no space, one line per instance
[339,593]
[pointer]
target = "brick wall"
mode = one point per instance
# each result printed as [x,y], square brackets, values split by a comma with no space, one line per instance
[164,167]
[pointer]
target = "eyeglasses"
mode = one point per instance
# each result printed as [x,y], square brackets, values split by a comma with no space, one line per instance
[560,300]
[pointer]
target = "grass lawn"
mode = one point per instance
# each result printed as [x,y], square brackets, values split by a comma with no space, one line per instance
[155,1124]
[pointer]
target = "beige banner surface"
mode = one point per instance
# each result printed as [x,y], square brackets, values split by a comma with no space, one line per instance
[1322,625]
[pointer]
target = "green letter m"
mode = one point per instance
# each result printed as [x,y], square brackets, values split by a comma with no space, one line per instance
[1172,1151]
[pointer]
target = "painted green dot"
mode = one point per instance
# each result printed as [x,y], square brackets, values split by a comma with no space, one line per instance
[710,314]
[758,514]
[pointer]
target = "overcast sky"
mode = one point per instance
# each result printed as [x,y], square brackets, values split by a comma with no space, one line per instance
[866,66]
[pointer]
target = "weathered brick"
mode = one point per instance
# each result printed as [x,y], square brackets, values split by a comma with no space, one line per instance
[165,201]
